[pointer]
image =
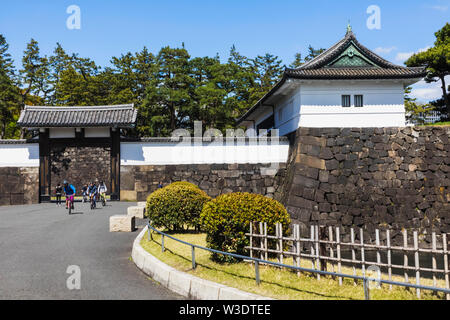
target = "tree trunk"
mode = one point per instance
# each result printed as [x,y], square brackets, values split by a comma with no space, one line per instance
[444,92]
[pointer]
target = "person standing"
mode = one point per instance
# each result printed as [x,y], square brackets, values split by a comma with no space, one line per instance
[58,193]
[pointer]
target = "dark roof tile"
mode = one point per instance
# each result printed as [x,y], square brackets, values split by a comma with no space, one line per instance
[123,116]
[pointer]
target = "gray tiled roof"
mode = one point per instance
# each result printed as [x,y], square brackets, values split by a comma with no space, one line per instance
[356,73]
[122,116]
[317,68]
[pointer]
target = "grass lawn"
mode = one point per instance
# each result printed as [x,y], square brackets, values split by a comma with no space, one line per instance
[275,283]
[439,124]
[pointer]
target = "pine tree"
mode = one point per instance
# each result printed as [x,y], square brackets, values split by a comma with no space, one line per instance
[9,93]
[437,62]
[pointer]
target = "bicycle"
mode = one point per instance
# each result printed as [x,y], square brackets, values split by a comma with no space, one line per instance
[70,203]
[93,203]
[103,198]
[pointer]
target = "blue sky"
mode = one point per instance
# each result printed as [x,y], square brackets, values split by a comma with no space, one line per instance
[111,27]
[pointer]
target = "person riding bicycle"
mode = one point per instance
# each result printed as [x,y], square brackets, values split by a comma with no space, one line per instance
[69,191]
[92,191]
[85,194]
[102,190]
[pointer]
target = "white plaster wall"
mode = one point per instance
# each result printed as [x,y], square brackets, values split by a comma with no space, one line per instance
[19,155]
[383,105]
[318,104]
[56,133]
[287,113]
[96,132]
[149,153]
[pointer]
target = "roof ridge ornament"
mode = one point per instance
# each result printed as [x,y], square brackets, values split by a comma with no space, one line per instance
[349,28]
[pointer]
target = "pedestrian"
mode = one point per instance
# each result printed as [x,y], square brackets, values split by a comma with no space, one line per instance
[160,185]
[58,193]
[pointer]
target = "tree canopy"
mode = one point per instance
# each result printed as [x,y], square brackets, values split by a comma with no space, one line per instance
[170,89]
[437,62]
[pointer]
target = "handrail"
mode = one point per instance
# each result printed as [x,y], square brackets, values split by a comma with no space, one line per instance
[257,261]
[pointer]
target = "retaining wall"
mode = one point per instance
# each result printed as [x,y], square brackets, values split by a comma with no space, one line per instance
[371,178]
[137,182]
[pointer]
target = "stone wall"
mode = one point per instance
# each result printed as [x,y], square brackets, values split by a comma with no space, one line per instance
[19,185]
[370,178]
[80,165]
[137,182]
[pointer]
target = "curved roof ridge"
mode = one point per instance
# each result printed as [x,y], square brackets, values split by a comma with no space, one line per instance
[334,51]
[85,108]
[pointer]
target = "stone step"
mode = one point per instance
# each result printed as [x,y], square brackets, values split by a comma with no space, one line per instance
[136,211]
[122,223]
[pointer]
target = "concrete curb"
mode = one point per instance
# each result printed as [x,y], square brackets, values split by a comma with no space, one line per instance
[182,283]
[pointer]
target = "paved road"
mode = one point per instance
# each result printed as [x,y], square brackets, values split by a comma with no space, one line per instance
[39,242]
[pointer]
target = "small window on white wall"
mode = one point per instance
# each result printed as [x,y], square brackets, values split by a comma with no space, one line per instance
[359,101]
[346,101]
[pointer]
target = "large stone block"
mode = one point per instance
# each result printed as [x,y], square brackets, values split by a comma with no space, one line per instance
[137,212]
[128,195]
[121,223]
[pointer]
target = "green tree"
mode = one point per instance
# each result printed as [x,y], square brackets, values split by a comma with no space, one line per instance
[312,53]
[168,97]
[268,71]
[9,93]
[416,112]
[298,61]
[437,62]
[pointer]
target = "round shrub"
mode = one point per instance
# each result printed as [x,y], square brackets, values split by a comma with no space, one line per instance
[227,219]
[176,206]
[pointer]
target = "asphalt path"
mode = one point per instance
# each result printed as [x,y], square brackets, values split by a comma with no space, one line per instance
[42,247]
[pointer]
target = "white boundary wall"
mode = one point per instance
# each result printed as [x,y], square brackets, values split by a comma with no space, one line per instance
[171,153]
[19,155]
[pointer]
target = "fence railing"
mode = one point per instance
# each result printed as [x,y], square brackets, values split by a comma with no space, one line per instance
[365,279]
[325,246]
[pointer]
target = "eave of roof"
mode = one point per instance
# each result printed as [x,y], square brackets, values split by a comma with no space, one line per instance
[120,116]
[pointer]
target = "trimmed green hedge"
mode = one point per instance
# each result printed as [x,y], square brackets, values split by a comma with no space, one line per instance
[227,219]
[176,206]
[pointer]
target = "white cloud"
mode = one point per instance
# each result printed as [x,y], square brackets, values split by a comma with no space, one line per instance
[381,50]
[403,56]
[426,92]
[440,8]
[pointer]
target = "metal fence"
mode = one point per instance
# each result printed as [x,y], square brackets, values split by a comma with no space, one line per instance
[325,246]
[256,261]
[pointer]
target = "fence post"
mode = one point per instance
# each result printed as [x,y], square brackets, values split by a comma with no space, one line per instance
[266,252]
[377,241]
[446,270]
[352,238]
[312,248]
[251,239]
[366,289]
[405,254]
[363,256]
[193,258]
[162,243]
[148,233]
[319,267]
[389,256]
[258,280]
[297,246]
[261,241]
[434,264]
[330,236]
[416,258]
[280,233]
[338,248]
